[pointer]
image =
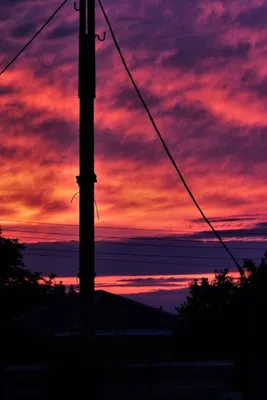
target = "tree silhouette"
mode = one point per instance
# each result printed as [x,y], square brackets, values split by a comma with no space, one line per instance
[11,259]
[22,289]
[72,291]
[225,317]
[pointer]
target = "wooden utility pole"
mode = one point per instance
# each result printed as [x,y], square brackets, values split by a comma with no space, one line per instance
[87,178]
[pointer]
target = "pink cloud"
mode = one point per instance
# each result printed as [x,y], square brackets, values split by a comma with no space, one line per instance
[202,71]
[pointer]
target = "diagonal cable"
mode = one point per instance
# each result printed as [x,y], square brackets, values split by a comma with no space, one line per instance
[32,39]
[163,141]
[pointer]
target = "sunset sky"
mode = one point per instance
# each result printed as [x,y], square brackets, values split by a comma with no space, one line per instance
[201,65]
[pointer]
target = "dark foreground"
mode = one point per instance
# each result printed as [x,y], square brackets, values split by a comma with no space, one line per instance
[183,380]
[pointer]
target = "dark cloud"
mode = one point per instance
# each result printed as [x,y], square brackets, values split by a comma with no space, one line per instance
[11,3]
[7,90]
[156,28]
[209,145]
[8,152]
[199,257]
[54,206]
[193,113]
[62,258]
[225,200]
[154,281]
[254,83]
[114,145]
[127,97]
[258,88]
[24,30]
[117,266]
[242,218]
[262,225]
[255,18]
[11,9]
[237,152]
[38,198]
[193,51]
[63,31]
[59,132]
[16,112]
[259,230]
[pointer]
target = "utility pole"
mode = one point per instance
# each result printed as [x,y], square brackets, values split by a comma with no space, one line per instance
[86,180]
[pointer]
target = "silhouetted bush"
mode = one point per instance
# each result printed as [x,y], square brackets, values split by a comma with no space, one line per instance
[22,289]
[225,317]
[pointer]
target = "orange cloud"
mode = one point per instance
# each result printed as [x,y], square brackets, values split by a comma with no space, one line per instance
[203,85]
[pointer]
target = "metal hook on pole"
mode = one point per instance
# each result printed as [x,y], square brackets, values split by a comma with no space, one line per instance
[75,6]
[101,39]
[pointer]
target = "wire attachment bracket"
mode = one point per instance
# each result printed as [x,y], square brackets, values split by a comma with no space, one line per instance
[75,6]
[78,179]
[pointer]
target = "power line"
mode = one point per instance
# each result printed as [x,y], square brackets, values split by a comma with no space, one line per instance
[102,226]
[98,227]
[52,240]
[100,236]
[34,36]
[42,232]
[37,222]
[73,234]
[130,237]
[102,239]
[162,140]
[105,242]
[134,254]
[130,261]
[121,228]
[52,255]
[183,237]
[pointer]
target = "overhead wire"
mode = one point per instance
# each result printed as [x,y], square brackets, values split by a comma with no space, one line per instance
[42,232]
[131,261]
[170,239]
[101,240]
[56,233]
[245,230]
[115,239]
[131,254]
[163,141]
[34,36]
[97,226]
[36,222]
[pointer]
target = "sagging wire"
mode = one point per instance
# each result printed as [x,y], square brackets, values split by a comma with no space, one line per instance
[97,213]
[166,148]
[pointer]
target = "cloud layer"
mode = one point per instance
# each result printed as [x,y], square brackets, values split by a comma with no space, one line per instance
[201,66]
